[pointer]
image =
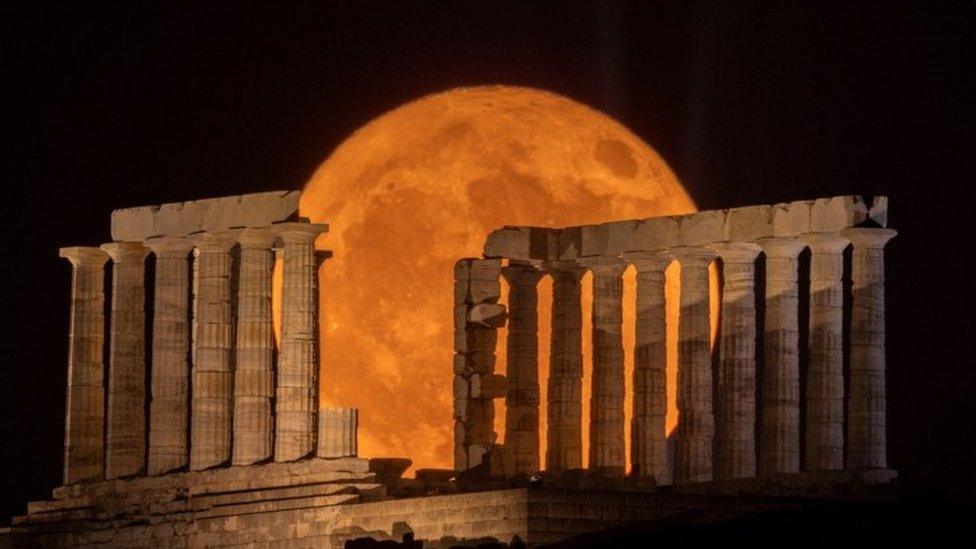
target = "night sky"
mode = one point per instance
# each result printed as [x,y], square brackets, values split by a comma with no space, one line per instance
[117,105]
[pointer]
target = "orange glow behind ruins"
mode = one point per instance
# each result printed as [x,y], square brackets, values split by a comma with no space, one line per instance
[421,186]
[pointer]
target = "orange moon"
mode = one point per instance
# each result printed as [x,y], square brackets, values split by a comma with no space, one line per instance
[421,186]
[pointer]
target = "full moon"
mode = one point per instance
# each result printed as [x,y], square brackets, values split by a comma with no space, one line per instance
[414,190]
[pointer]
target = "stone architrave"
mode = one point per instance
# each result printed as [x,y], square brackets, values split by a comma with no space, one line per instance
[696,423]
[84,407]
[254,368]
[607,400]
[866,446]
[564,449]
[824,447]
[296,391]
[169,406]
[779,450]
[125,453]
[212,370]
[736,378]
[649,445]
[522,398]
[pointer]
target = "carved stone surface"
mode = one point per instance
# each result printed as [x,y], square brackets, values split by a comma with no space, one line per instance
[209,214]
[296,391]
[780,429]
[126,424]
[169,408]
[867,441]
[84,409]
[522,397]
[696,426]
[212,400]
[565,385]
[253,371]
[735,448]
[649,446]
[825,372]
[607,400]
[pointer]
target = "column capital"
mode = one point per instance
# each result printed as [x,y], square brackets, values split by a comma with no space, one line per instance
[781,246]
[296,232]
[169,246]
[869,237]
[257,238]
[831,243]
[649,261]
[84,256]
[694,256]
[126,251]
[736,252]
[604,266]
[516,272]
[215,242]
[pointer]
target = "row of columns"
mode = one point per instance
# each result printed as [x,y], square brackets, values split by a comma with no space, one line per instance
[213,361]
[726,427]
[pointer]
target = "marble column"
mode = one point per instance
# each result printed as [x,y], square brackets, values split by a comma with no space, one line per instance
[735,427]
[779,448]
[85,403]
[125,453]
[296,391]
[522,397]
[825,373]
[564,447]
[649,444]
[254,371]
[696,423]
[866,438]
[169,407]
[212,382]
[607,396]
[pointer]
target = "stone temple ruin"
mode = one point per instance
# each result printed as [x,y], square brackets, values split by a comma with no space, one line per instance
[224,441]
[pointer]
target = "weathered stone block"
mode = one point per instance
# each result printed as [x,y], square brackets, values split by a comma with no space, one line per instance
[522,243]
[749,223]
[701,228]
[569,244]
[488,386]
[593,240]
[621,236]
[656,233]
[489,315]
[791,219]
[837,213]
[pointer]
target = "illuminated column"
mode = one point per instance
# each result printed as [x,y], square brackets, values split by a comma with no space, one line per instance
[253,372]
[696,423]
[607,401]
[126,436]
[297,361]
[210,413]
[168,412]
[866,442]
[649,445]
[84,406]
[736,379]
[522,398]
[564,447]
[779,450]
[825,374]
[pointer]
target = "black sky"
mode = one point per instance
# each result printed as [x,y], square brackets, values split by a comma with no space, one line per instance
[119,104]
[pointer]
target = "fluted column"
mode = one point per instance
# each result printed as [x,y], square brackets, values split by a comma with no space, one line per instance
[296,391]
[85,403]
[169,407]
[696,423]
[126,437]
[522,398]
[564,449]
[779,449]
[649,445]
[736,378]
[607,395]
[825,373]
[866,438]
[210,415]
[253,372]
